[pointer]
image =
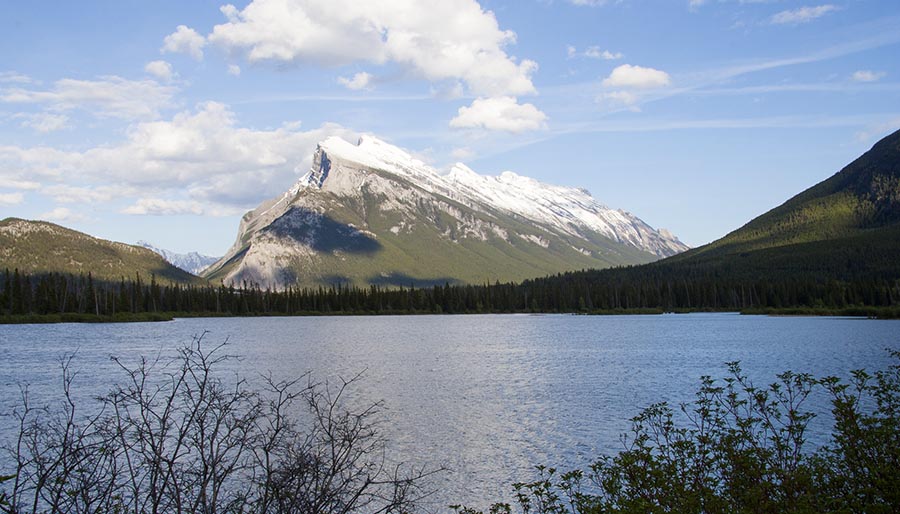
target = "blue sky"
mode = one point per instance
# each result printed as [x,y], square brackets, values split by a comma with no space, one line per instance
[166,120]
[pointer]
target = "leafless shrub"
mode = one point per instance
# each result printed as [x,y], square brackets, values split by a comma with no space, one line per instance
[176,437]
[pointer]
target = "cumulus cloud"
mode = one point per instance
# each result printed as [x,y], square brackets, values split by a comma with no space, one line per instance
[63,214]
[500,113]
[802,14]
[44,122]
[10,199]
[110,96]
[160,69]
[437,41]
[184,40]
[202,156]
[637,77]
[867,76]
[361,80]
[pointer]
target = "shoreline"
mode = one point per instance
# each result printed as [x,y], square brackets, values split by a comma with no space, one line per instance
[854,312]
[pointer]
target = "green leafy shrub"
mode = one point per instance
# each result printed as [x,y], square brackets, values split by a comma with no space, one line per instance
[742,449]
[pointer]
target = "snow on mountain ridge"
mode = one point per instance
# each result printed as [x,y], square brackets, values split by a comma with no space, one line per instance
[568,209]
[357,198]
[192,262]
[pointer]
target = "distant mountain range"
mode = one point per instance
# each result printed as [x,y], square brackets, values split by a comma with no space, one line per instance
[191,262]
[38,247]
[370,213]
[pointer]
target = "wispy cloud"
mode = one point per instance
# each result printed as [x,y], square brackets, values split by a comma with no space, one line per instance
[593,52]
[108,96]
[867,76]
[802,14]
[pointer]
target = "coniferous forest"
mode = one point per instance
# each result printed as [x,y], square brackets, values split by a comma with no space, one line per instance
[66,297]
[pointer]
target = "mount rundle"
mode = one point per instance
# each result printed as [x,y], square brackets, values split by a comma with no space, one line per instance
[371,214]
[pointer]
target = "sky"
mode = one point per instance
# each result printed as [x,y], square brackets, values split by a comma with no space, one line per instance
[166,120]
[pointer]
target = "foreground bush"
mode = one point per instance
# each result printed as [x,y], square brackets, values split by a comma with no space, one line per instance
[741,450]
[177,438]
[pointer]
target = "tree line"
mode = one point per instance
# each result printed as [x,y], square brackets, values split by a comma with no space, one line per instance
[621,290]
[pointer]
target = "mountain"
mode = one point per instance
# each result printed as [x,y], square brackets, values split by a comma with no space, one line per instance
[192,262]
[845,227]
[37,247]
[832,247]
[370,213]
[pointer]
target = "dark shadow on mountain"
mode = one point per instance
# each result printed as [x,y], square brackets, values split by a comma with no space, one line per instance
[322,233]
[334,280]
[404,280]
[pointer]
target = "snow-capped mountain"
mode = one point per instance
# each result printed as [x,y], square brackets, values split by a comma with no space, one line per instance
[371,213]
[191,262]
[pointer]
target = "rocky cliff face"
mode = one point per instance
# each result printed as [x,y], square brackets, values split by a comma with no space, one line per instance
[372,214]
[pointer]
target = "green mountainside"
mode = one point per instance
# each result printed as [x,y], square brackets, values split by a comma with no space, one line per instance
[844,226]
[38,247]
[833,247]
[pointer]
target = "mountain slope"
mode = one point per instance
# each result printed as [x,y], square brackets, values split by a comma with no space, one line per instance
[40,247]
[192,262]
[372,214]
[835,245]
[854,213]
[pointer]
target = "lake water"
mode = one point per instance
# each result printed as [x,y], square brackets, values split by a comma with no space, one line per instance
[486,396]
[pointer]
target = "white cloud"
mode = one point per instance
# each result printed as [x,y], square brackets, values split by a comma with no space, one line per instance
[10,183]
[361,80]
[184,40]
[448,91]
[63,214]
[202,156]
[62,193]
[802,14]
[619,99]
[14,77]
[594,52]
[868,76]
[500,113]
[637,77]
[463,153]
[160,69]
[161,207]
[45,122]
[874,132]
[10,199]
[234,69]
[591,3]
[110,96]
[437,41]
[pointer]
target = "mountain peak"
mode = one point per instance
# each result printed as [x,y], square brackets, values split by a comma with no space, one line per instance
[371,212]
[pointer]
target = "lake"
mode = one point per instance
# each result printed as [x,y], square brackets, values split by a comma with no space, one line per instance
[487,396]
